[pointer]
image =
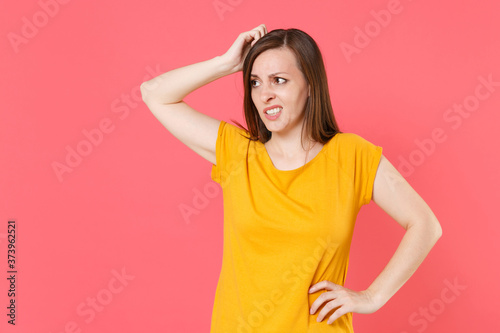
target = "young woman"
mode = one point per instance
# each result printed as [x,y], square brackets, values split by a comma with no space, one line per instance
[292,187]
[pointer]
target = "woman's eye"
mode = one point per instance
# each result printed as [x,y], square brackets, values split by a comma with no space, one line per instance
[280,78]
[252,83]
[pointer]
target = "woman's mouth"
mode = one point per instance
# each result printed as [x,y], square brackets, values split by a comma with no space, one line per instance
[273,113]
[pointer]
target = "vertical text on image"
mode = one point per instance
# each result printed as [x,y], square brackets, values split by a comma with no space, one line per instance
[12,271]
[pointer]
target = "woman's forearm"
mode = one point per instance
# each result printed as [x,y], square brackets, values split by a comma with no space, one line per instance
[173,86]
[414,247]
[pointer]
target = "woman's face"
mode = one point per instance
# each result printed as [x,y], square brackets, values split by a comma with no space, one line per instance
[277,83]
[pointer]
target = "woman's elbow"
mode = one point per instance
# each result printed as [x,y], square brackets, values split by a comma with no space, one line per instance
[435,227]
[428,226]
[145,89]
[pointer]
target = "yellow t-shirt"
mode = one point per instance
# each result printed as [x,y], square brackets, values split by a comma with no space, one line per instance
[285,230]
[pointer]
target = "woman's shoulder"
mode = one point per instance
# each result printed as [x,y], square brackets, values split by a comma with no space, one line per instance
[232,139]
[354,154]
[233,129]
[349,139]
[350,146]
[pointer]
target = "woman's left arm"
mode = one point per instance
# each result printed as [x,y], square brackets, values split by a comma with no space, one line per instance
[396,197]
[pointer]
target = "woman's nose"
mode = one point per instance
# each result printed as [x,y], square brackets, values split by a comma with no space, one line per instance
[266,93]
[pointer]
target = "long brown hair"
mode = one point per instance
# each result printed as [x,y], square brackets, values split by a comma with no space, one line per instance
[319,120]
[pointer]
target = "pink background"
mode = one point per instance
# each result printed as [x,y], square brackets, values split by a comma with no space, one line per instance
[75,75]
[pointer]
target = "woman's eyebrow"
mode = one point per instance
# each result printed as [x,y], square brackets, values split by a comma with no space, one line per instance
[270,75]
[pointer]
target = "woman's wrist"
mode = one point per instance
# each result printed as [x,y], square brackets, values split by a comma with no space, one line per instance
[225,66]
[377,297]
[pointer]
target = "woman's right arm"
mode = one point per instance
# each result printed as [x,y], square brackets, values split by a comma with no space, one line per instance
[164,95]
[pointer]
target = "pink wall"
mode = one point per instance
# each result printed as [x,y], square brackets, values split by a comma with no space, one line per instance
[107,226]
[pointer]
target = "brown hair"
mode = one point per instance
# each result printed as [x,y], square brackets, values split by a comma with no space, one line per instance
[319,121]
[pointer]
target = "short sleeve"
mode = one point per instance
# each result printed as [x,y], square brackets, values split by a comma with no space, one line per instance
[359,159]
[367,158]
[229,147]
[215,174]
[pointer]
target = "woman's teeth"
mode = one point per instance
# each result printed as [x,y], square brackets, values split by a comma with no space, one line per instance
[274,111]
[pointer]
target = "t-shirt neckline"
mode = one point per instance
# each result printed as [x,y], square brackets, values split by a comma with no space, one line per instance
[271,164]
